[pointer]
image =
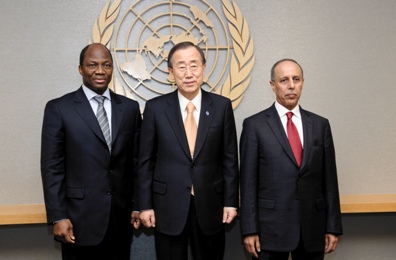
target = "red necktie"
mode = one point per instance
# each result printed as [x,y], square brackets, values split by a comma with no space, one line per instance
[294,138]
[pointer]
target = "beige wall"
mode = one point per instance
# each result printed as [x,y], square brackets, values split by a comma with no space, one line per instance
[347,50]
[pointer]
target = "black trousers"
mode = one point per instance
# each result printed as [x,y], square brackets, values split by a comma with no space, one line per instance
[203,247]
[112,247]
[298,254]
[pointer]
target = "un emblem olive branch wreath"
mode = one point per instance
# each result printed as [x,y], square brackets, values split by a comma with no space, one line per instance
[242,60]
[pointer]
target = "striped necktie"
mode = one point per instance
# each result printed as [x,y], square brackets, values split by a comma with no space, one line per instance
[102,119]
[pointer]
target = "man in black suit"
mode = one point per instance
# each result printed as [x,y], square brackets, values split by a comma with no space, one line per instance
[88,180]
[288,203]
[186,192]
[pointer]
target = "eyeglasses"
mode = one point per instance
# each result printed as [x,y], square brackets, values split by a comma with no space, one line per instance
[183,68]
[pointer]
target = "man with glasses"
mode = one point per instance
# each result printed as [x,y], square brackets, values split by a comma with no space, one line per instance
[188,163]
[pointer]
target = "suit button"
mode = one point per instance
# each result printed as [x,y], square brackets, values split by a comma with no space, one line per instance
[188,188]
[108,192]
[192,166]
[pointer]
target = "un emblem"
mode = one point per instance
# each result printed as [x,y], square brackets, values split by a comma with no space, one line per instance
[141,38]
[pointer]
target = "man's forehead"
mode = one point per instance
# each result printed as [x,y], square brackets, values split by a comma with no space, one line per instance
[187,61]
[288,67]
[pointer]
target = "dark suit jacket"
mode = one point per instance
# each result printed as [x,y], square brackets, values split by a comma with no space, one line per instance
[166,170]
[278,200]
[81,180]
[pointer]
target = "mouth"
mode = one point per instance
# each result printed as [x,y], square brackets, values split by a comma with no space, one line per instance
[100,81]
[189,83]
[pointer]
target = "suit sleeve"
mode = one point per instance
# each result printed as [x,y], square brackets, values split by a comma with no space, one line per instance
[147,158]
[53,163]
[136,142]
[249,178]
[333,224]
[230,160]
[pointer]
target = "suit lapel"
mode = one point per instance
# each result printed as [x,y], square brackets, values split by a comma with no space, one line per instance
[117,113]
[307,132]
[205,119]
[84,110]
[279,132]
[173,114]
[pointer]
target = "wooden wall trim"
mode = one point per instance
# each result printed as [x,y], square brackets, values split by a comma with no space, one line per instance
[350,203]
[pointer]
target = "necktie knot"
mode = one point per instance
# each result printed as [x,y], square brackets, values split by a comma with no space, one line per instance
[289,115]
[190,108]
[100,99]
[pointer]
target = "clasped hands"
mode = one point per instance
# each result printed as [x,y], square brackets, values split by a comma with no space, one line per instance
[147,217]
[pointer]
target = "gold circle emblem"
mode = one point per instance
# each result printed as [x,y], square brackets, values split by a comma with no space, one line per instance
[141,38]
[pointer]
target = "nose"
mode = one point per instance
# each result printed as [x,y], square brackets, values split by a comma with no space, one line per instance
[188,72]
[100,70]
[291,85]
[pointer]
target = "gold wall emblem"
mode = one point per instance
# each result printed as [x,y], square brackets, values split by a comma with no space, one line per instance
[141,38]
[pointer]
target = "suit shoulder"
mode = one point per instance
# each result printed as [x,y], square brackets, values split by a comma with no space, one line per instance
[218,99]
[259,116]
[65,98]
[313,116]
[161,100]
[126,100]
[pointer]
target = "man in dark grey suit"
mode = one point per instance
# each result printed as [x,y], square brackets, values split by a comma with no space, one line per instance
[288,203]
[88,180]
[188,193]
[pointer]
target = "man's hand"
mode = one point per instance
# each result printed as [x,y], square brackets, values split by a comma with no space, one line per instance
[135,220]
[252,244]
[148,218]
[229,214]
[63,231]
[330,243]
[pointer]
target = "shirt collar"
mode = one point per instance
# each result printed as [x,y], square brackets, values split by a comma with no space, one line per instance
[282,110]
[91,94]
[183,101]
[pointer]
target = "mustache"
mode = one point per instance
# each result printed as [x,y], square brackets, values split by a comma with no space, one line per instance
[291,93]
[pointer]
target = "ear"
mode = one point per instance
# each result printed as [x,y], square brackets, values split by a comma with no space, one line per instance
[80,69]
[272,85]
[171,77]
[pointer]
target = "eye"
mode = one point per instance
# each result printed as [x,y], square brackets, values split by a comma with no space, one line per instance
[91,66]
[181,68]
[107,66]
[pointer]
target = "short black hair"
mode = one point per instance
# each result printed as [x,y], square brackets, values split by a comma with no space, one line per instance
[182,46]
[280,61]
[83,51]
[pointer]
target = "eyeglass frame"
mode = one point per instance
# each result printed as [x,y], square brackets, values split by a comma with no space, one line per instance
[182,69]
